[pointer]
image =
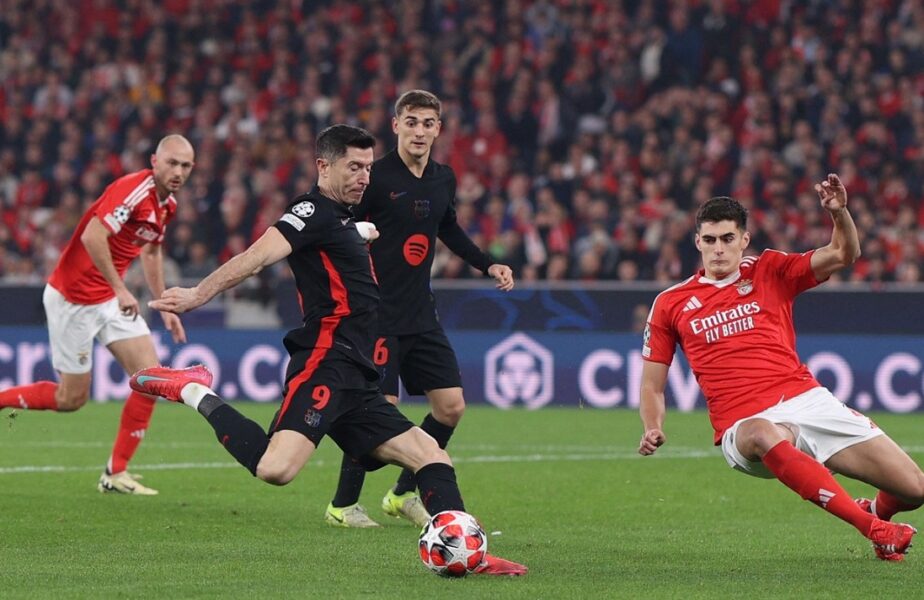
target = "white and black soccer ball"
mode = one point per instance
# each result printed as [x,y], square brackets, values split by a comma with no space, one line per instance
[453,544]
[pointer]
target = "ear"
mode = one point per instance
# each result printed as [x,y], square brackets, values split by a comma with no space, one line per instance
[439,127]
[153,160]
[323,167]
[746,239]
[394,125]
[697,242]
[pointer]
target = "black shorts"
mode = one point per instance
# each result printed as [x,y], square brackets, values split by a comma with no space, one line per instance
[424,361]
[326,393]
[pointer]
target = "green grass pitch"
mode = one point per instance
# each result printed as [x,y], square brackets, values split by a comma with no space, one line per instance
[561,490]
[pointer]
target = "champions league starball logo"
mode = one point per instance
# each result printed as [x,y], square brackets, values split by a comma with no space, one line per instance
[519,369]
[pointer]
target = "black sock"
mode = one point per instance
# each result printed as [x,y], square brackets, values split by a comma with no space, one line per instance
[352,476]
[242,438]
[441,433]
[438,488]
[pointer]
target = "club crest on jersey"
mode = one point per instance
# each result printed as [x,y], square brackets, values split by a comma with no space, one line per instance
[745,287]
[303,209]
[421,209]
[312,418]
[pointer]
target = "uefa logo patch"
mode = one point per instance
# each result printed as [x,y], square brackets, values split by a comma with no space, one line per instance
[519,369]
[303,209]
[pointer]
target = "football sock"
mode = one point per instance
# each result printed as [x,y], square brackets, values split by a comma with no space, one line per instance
[193,393]
[242,438]
[438,488]
[811,480]
[136,414]
[885,506]
[352,476]
[441,433]
[35,396]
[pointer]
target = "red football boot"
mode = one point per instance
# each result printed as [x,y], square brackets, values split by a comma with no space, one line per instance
[891,541]
[494,565]
[167,382]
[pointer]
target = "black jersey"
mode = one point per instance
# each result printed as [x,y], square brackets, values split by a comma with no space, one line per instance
[333,275]
[410,213]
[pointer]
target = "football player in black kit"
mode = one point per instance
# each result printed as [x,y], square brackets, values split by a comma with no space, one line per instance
[411,200]
[331,385]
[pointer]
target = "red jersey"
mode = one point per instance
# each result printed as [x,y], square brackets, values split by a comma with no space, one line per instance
[737,334]
[128,208]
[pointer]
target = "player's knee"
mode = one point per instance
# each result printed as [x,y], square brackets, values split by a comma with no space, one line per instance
[69,400]
[449,412]
[276,473]
[756,437]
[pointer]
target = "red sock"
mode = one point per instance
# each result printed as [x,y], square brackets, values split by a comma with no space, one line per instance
[885,506]
[136,414]
[35,396]
[811,480]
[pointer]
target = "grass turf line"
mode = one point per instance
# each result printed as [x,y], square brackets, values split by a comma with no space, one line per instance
[570,499]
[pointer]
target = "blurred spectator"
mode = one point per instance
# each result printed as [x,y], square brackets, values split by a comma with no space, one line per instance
[581,131]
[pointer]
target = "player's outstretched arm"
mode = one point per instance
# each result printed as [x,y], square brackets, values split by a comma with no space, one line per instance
[270,248]
[844,248]
[503,276]
[651,406]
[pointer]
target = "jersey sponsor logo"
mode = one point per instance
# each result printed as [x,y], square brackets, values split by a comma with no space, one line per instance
[395,195]
[303,209]
[692,304]
[725,323]
[147,234]
[519,368]
[294,221]
[745,287]
[421,209]
[416,248]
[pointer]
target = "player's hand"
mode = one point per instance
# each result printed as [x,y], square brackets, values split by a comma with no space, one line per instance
[177,300]
[832,193]
[651,441]
[128,304]
[174,326]
[503,277]
[367,230]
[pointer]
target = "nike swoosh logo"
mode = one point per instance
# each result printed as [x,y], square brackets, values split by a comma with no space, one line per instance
[396,195]
[143,379]
[344,221]
[336,518]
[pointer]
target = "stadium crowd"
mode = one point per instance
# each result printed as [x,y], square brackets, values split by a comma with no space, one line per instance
[581,131]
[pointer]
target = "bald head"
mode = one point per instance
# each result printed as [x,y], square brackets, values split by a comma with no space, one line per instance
[172,163]
[174,141]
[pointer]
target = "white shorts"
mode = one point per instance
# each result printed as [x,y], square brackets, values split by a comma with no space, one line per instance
[822,424]
[72,328]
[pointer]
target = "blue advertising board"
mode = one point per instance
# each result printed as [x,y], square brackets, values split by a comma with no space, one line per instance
[507,369]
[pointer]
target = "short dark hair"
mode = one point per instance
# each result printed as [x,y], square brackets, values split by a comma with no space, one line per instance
[333,142]
[417,99]
[722,208]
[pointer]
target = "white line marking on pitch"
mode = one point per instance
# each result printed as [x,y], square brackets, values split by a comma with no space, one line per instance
[322,464]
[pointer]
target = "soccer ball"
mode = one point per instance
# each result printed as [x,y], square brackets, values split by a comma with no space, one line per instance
[453,544]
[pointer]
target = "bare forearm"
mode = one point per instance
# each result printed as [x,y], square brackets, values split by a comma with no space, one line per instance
[651,410]
[152,264]
[98,249]
[844,238]
[230,274]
